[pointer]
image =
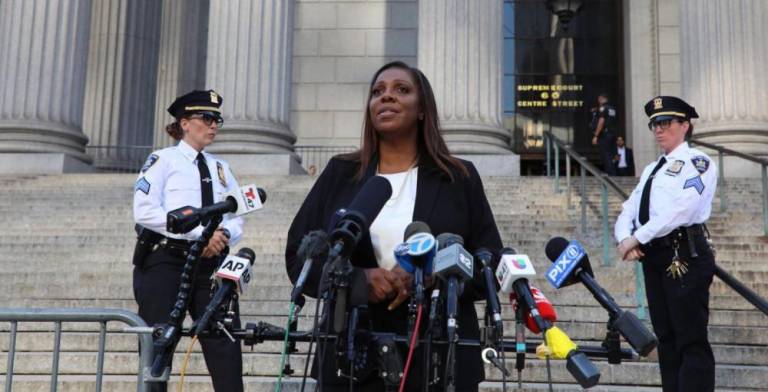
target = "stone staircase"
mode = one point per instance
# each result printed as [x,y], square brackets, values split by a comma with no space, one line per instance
[66,241]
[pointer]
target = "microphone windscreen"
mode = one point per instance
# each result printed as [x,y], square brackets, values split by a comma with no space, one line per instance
[262,195]
[416,227]
[447,239]
[371,198]
[508,250]
[555,247]
[247,253]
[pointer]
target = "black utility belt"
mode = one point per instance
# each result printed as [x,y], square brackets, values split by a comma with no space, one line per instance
[681,234]
[175,246]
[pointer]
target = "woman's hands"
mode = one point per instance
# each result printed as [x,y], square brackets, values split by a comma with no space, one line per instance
[629,249]
[384,284]
[216,244]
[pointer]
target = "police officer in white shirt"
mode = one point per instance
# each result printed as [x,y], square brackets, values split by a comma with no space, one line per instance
[171,178]
[662,225]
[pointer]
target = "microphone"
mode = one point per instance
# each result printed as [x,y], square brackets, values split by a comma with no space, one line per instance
[485,256]
[352,226]
[546,310]
[239,202]
[354,221]
[415,255]
[454,265]
[559,346]
[234,274]
[418,249]
[570,264]
[314,246]
[513,273]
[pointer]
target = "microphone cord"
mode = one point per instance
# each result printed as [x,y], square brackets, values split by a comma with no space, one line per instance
[314,330]
[184,365]
[279,384]
[411,347]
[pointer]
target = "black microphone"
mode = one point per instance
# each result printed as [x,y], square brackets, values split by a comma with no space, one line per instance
[486,257]
[352,226]
[354,221]
[314,246]
[571,264]
[454,265]
[233,274]
[185,219]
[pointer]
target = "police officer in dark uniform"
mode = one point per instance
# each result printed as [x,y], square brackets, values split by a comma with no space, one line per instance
[172,178]
[604,125]
[662,225]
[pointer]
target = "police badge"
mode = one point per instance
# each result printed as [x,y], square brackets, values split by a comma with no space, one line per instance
[222,177]
[675,168]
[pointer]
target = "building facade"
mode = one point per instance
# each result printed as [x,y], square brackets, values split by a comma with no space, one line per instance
[84,83]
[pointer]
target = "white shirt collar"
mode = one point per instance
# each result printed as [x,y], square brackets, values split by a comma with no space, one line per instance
[679,152]
[187,150]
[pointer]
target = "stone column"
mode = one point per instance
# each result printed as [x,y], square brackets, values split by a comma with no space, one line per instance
[43,51]
[724,52]
[249,64]
[181,68]
[118,116]
[460,51]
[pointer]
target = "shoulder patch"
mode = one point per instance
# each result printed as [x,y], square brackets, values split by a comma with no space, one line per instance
[675,168]
[222,177]
[612,112]
[696,183]
[701,163]
[602,109]
[142,185]
[151,160]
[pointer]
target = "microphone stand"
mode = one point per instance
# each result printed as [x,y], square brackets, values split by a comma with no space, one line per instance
[519,344]
[167,335]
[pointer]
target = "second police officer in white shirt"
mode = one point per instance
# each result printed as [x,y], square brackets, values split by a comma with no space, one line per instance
[174,177]
[661,224]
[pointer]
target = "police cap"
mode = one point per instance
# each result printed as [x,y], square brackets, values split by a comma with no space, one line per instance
[668,107]
[197,101]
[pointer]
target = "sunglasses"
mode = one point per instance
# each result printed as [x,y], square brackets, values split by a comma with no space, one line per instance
[663,124]
[208,119]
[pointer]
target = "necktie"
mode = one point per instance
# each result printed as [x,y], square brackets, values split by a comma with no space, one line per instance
[206,184]
[645,199]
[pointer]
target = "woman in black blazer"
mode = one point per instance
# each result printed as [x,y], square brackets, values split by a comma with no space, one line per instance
[401,135]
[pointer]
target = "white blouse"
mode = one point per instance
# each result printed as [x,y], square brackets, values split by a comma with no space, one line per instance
[388,228]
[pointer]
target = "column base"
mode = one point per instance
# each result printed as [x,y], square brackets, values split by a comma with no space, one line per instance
[41,163]
[263,164]
[495,165]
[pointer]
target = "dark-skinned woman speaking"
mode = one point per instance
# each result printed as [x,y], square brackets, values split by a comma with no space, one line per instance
[402,143]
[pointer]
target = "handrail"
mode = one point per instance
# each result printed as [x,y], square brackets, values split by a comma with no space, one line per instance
[728,151]
[721,187]
[59,315]
[748,294]
[599,174]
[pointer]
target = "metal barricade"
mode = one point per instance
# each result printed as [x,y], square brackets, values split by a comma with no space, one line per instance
[61,315]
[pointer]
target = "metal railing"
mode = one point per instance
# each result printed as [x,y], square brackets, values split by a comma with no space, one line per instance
[118,159]
[61,315]
[555,144]
[721,151]
[314,158]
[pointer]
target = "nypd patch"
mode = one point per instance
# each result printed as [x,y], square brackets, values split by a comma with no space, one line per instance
[695,183]
[675,168]
[701,163]
[142,185]
[151,160]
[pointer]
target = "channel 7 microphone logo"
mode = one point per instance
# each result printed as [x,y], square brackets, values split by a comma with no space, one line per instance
[565,264]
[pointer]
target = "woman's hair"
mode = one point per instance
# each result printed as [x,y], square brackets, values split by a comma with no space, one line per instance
[430,142]
[174,130]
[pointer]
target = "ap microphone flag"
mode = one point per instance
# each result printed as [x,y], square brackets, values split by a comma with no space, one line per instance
[236,269]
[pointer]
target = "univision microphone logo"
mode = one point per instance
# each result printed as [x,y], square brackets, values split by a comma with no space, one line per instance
[519,263]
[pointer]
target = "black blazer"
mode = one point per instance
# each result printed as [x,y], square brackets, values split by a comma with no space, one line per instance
[630,169]
[458,207]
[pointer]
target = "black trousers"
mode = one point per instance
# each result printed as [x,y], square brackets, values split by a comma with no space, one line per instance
[679,311]
[155,286]
[607,145]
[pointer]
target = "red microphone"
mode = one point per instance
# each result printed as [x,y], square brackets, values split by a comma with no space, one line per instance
[546,309]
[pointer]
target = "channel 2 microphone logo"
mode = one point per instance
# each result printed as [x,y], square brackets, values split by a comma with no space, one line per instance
[565,264]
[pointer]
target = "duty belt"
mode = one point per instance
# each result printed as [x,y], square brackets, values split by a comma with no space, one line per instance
[175,246]
[681,234]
